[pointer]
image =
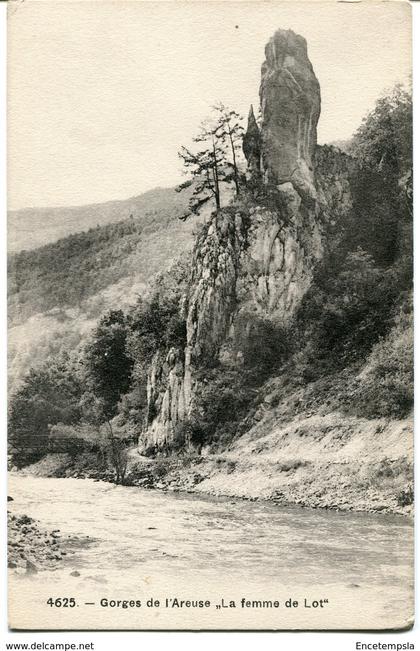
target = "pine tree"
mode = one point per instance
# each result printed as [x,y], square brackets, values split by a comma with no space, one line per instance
[214,164]
[229,132]
[205,168]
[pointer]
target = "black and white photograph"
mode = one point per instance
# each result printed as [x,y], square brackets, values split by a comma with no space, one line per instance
[210,316]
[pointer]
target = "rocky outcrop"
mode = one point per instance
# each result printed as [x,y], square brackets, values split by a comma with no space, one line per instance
[255,258]
[211,304]
[167,389]
[290,107]
[252,145]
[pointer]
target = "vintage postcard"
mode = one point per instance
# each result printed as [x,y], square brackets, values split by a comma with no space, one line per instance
[210,315]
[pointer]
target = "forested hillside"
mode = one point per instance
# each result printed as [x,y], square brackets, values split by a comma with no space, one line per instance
[30,228]
[56,292]
[67,272]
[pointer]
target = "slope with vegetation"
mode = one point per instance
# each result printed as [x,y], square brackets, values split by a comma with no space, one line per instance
[31,228]
[314,409]
[57,292]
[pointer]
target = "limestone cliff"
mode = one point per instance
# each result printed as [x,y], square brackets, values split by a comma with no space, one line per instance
[290,108]
[255,258]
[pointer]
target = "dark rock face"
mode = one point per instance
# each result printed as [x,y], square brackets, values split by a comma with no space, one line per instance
[290,106]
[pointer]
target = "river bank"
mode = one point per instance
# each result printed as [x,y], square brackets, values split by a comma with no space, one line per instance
[326,461]
[155,543]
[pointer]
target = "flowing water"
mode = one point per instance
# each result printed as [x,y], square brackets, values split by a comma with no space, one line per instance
[153,544]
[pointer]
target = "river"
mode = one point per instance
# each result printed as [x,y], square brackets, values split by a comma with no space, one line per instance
[155,545]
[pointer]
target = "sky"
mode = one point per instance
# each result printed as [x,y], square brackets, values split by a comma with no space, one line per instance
[101,95]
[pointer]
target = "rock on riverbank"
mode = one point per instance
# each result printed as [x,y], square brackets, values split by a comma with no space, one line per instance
[31,548]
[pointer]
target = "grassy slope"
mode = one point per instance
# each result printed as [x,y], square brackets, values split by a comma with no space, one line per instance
[320,458]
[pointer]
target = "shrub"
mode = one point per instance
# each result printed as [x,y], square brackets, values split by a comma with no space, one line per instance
[406,496]
[387,388]
[344,313]
[182,436]
[223,398]
[263,344]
